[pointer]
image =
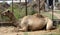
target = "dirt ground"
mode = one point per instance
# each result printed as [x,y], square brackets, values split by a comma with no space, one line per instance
[10,31]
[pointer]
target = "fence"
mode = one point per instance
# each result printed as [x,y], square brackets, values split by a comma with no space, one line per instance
[21,9]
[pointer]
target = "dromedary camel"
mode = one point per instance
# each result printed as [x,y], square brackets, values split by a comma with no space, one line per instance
[31,22]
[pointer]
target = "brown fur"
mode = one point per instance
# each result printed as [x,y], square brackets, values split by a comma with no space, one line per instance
[34,23]
[11,16]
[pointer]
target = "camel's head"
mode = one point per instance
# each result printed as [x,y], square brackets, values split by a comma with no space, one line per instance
[7,13]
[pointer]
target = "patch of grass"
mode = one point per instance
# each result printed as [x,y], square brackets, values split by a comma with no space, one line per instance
[17,11]
[21,12]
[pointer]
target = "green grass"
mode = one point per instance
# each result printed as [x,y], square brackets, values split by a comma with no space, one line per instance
[21,12]
[17,11]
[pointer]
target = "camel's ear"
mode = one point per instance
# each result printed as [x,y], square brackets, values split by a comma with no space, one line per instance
[8,10]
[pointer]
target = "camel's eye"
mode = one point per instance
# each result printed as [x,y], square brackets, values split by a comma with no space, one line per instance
[8,11]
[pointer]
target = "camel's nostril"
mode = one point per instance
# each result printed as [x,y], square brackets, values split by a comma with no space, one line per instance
[4,14]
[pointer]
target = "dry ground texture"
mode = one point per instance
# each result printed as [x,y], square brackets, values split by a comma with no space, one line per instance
[9,31]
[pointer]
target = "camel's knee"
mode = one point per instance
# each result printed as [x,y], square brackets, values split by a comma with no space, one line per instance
[49,26]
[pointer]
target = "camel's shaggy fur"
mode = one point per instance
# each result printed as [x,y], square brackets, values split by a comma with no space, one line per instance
[35,22]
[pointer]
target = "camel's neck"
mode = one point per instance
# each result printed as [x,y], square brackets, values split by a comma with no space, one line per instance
[12,17]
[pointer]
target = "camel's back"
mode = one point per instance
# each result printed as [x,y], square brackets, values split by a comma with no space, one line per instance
[37,23]
[34,22]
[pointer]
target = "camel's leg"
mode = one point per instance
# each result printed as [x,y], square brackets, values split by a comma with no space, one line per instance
[49,24]
[17,29]
[23,29]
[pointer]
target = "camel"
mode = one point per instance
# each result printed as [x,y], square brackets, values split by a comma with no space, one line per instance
[30,22]
[36,22]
